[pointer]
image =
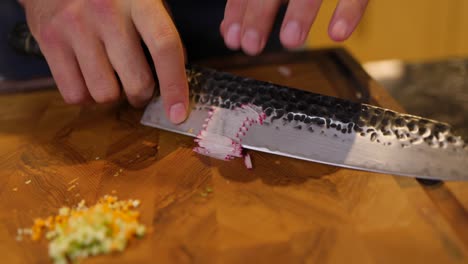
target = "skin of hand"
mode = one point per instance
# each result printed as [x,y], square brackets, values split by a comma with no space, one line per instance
[86,43]
[247,23]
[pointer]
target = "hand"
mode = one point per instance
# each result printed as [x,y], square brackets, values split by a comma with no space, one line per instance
[247,23]
[87,42]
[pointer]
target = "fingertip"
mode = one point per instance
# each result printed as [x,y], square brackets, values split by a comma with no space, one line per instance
[232,36]
[346,18]
[175,98]
[178,113]
[339,31]
[291,35]
[251,42]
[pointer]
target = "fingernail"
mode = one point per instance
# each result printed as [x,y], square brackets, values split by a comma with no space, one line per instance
[340,30]
[251,42]
[292,33]
[177,113]
[233,36]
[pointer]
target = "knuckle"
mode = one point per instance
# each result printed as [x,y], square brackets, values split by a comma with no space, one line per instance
[72,19]
[75,98]
[48,34]
[141,89]
[167,40]
[103,7]
[146,81]
[107,95]
[166,46]
[173,89]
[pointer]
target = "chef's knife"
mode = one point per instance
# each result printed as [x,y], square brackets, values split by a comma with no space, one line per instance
[311,126]
[324,129]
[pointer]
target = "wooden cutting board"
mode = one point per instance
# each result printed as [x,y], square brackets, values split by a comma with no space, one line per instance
[284,210]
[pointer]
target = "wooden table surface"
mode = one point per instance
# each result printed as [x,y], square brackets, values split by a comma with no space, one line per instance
[284,210]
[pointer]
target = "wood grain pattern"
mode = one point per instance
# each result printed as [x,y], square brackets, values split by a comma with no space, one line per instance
[285,210]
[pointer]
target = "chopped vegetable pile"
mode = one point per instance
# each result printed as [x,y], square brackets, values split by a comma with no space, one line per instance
[76,233]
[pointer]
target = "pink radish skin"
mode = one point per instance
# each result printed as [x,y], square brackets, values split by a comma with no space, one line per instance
[222,142]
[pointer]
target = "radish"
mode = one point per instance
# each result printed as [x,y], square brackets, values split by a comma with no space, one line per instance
[223,132]
[248,161]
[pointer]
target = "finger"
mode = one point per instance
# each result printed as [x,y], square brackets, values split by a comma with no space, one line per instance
[163,41]
[64,67]
[346,17]
[134,71]
[257,23]
[297,21]
[232,23]
[123,47]
[96,69]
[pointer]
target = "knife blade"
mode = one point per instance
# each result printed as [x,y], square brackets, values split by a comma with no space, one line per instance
[319,128]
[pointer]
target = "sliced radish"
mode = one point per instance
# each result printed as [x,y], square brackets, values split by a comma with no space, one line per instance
[285,71]
[248,161]
[223,132]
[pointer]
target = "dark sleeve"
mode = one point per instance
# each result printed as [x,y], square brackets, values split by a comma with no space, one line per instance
[14,65]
